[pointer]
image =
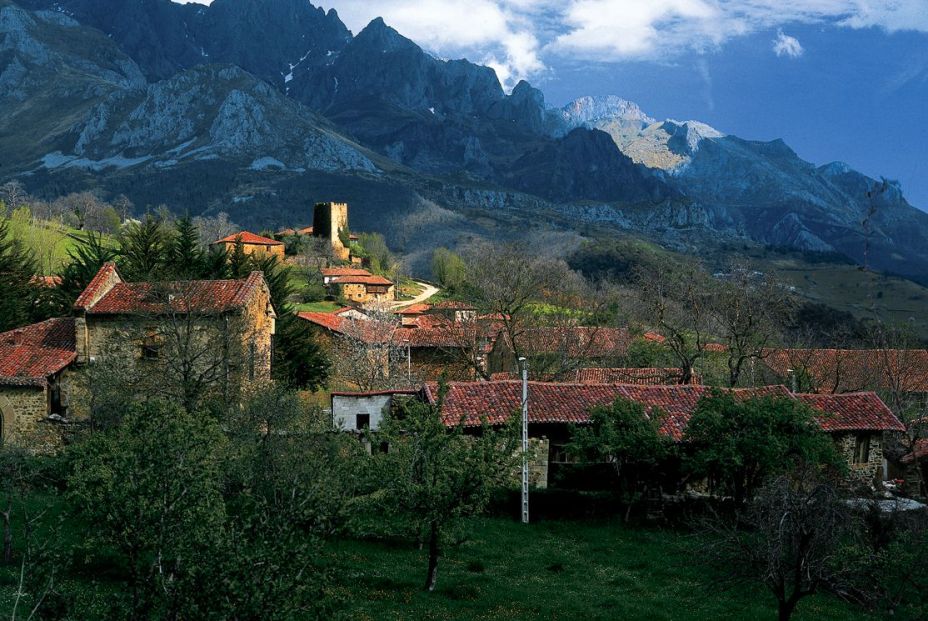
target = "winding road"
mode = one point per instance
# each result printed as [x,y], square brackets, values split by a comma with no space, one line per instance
[428,292]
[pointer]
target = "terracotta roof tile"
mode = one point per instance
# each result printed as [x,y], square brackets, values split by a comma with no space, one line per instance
[29,355]
[248,238]
[848,370]
[331,272]
[644,377]
[196,296]
[367,279]
[575,341]
[862,411]
[105,276]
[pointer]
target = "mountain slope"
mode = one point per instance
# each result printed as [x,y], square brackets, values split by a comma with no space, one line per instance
[764,190]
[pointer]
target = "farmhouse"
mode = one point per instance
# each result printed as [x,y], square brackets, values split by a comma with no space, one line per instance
[856,422]
[359,286]
[252,244]
[220,329]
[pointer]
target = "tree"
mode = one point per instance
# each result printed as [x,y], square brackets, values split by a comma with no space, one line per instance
[449,269]
[143,250]
[434,474]
[17,477]
[12,194]
[627,437]
[299,361]
[378,253]
[17,267]
[85,259]
[738,444]
[792,541]
[152,489]
[185,258]
[750,313]
[680,303]
[81,207]
[367,353]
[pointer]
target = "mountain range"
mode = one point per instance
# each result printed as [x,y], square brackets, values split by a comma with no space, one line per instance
[260,107]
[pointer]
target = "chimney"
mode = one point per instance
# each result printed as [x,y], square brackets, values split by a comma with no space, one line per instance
[17,337]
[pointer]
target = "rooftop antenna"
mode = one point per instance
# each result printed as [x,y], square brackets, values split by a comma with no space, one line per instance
[524,365]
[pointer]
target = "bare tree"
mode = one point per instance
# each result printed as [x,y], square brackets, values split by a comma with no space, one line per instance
[680,304]
[213,228]
[751,310]
[790,540]
[13,195]
[368,354]
[80,207]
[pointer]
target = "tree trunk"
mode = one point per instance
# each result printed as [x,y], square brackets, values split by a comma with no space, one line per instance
[434,553]
[786,608]
[7,536]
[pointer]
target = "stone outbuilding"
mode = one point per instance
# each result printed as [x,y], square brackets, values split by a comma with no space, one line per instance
[252,244]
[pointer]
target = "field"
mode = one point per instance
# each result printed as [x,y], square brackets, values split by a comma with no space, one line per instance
[554,570]
[499,570]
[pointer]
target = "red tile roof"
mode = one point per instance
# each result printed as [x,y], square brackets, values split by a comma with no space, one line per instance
[571,403]
[850,370]
[414,309]
[196,296]
[331,272]
[249,239]
[330,321]
[574,341]
[642,377]
[862,411]
[106,276]
[368,279]
[29,355]
[46,281]
[429,332]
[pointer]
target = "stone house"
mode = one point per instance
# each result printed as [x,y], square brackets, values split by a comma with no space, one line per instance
[216,333]
[362,289]
[34,361]
[856,422]
[252,244]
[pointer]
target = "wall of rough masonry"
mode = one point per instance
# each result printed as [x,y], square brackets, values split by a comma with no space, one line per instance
[25,419]
[868,473]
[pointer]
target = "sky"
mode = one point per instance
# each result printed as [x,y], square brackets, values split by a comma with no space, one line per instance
[836,79]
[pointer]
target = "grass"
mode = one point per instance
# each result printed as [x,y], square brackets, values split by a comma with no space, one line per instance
[317,307]
[502,570]
[554,570]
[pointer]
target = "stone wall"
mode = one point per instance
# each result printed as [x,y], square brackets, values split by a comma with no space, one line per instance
[25,418]
[869,472]
[345,410]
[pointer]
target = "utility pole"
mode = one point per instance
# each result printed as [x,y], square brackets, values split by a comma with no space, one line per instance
[408,360]
[524,366]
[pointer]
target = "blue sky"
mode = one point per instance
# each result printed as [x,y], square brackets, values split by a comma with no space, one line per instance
[836,79]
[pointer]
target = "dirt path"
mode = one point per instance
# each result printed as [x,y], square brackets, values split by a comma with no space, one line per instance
[422,297]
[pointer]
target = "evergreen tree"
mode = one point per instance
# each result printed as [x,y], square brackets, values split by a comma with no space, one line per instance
[144,251]
[239,264]
[85,260]
[298,362]
[17,267]
[185,259]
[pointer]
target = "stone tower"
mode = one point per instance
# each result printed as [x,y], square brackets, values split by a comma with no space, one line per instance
[329,220]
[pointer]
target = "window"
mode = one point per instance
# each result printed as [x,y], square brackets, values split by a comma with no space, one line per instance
[55,404]
[362,421]
[862,450]
[151,348]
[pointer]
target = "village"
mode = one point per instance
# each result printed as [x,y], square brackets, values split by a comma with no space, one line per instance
[481,365]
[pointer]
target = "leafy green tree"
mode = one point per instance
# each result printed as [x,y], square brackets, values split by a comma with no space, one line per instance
[449,269]
[143,250]
[737,445]
[434,475]
[17,267]
[379,254]
[151,489]
[628,438]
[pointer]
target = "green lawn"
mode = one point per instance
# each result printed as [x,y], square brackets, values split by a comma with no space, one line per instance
[317,307]
[502,570]
[554,570]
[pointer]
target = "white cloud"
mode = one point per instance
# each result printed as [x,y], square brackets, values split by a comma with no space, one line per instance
[785,45]
[516,36]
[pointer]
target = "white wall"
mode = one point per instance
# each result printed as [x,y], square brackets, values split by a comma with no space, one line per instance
[345,410]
